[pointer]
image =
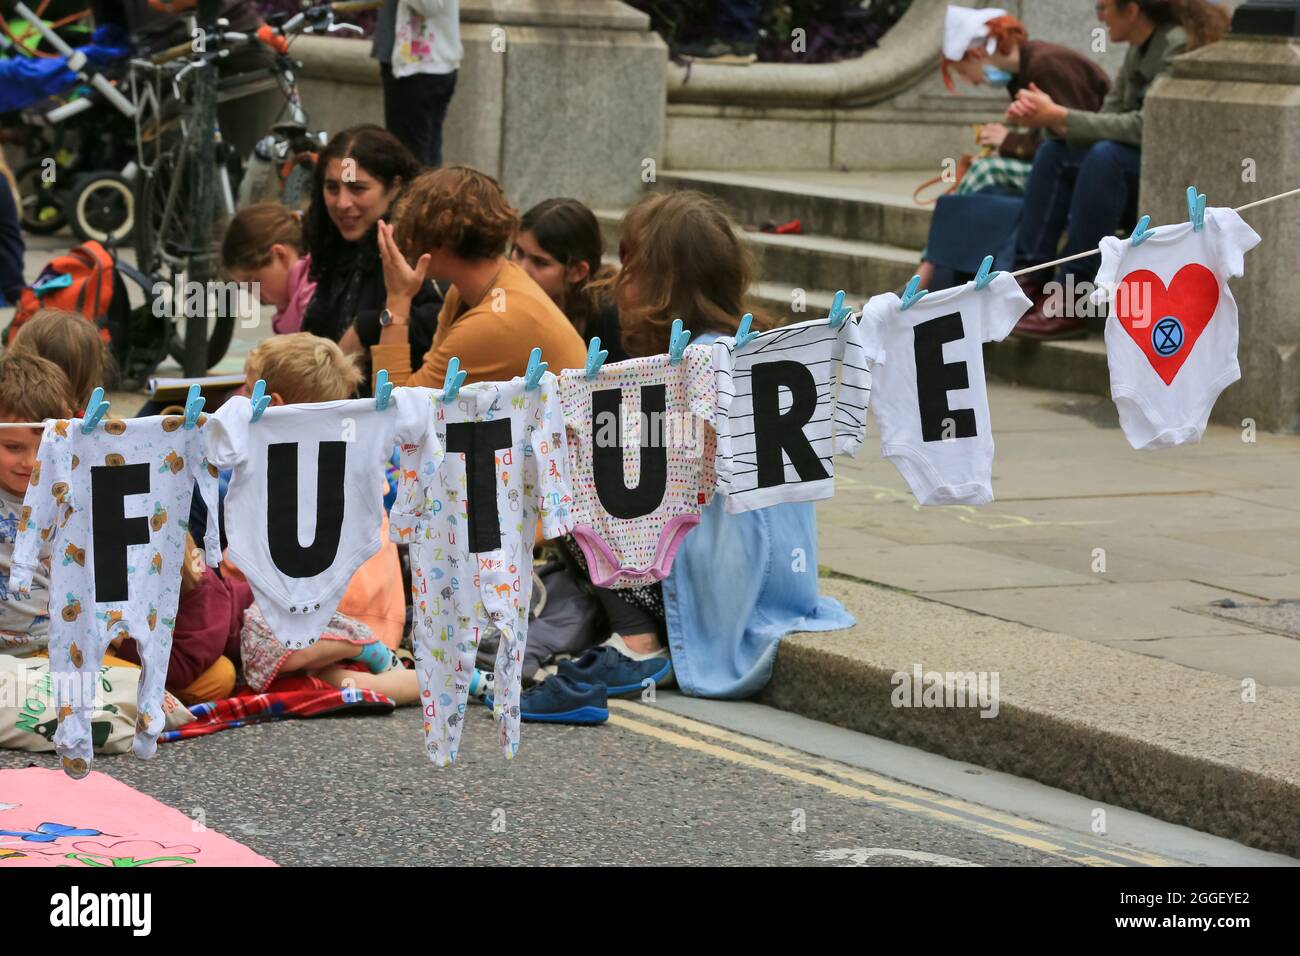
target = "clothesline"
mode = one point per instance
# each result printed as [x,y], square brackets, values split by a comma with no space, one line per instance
[1016,274]
[1093,252]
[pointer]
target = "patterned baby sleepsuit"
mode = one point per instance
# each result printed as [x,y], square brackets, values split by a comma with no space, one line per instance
[471,567]
[114,504]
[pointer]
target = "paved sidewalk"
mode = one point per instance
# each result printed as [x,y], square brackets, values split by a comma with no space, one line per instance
[1092,539]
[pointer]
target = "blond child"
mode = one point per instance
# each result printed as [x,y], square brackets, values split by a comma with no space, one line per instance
[32,389]
[71,343]
[264,244]
[304,368]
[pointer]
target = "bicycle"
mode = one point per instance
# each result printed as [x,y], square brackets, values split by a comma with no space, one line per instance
[185,187]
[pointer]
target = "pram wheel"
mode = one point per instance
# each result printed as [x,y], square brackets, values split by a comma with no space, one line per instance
[102,207]
[42,213]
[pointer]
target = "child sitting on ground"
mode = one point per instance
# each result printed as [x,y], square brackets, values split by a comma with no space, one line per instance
[264,244]
[205,640]
[367,627]
[32,389]
[73,344]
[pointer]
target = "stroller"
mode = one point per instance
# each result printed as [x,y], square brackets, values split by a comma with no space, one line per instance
[80,159]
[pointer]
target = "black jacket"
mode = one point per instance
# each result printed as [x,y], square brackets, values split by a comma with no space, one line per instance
[352,293]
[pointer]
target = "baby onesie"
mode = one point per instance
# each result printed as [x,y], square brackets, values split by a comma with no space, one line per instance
[113,505]
[471,523]
[927,366]
[1171,338]
[789,400]
[641,451]
[303,488]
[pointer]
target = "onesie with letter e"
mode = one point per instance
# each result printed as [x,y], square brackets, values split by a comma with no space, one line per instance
[927,366]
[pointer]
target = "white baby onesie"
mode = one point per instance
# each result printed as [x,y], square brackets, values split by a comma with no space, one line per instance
[789,401]
[641,455]
[307,473]
[930,401]
[1171,338]
[114,506]
[471,568]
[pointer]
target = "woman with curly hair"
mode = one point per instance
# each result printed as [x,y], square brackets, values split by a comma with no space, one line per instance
[455,223]
[359,176]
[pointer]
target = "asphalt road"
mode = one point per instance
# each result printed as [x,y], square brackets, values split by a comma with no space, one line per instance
[649,788]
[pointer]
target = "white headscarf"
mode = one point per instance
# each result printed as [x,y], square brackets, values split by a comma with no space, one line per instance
[964,27]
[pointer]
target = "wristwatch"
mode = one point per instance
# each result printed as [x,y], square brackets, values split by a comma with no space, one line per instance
[386,319]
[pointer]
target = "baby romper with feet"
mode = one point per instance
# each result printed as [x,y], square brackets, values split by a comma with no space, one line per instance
[471,522]
[113,505]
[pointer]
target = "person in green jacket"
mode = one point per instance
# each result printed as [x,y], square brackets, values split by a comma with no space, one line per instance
[1085,176]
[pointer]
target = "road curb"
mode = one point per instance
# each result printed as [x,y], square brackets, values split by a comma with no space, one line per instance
[1176,743]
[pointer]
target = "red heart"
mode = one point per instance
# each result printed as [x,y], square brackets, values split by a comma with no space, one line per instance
[1166,322]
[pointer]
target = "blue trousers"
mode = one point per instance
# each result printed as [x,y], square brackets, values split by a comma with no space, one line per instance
[737,20]
[1084,193]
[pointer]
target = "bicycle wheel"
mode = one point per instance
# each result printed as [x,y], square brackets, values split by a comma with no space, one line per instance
[42,212]
[102,207]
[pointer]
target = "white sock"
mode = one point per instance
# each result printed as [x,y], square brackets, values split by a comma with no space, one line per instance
[616,641]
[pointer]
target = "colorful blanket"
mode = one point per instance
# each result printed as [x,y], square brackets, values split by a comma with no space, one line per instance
[288,697]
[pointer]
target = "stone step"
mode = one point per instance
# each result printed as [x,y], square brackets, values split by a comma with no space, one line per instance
[1073,366]
[864,205]
[810,262]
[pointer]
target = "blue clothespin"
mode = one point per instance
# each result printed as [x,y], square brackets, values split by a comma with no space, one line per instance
[1196,208]
[839,311]
[454,379]
[677,342]
[986,273]
[910,295]
[383,390]
[96,409]
[1140,232]
[743,334]
[193,406]
[595,357]
[536,369]
[260,399]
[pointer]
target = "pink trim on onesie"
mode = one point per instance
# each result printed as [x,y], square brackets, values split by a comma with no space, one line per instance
[603,564]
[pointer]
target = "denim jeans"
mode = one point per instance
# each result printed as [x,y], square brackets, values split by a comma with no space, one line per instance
[414,108]
[1085,193]
[737,20]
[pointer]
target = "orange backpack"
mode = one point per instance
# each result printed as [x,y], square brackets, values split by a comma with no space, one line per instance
[80,280]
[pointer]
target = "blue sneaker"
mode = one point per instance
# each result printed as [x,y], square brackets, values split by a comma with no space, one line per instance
[618,672]
[558,700]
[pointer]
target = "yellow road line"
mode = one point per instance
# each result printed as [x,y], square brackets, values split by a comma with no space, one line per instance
[883,791]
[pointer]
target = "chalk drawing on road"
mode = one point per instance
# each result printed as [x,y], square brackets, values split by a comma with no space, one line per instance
[862,856]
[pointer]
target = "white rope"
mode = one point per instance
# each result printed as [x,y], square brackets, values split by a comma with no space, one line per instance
[1093,252]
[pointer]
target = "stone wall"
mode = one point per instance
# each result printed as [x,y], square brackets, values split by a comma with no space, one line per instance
[1227,120]
[554,97]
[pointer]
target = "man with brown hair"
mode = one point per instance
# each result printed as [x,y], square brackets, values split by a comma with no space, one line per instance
[456,223]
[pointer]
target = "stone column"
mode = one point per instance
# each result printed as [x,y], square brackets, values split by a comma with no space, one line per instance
[554,97]
[1227,120]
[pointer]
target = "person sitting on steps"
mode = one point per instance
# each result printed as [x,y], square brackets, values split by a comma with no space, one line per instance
[1085,177]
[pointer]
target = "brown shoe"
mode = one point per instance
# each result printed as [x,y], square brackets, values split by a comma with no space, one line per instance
[1035,325]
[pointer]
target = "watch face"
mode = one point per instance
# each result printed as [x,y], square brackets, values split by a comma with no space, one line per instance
[385,318]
